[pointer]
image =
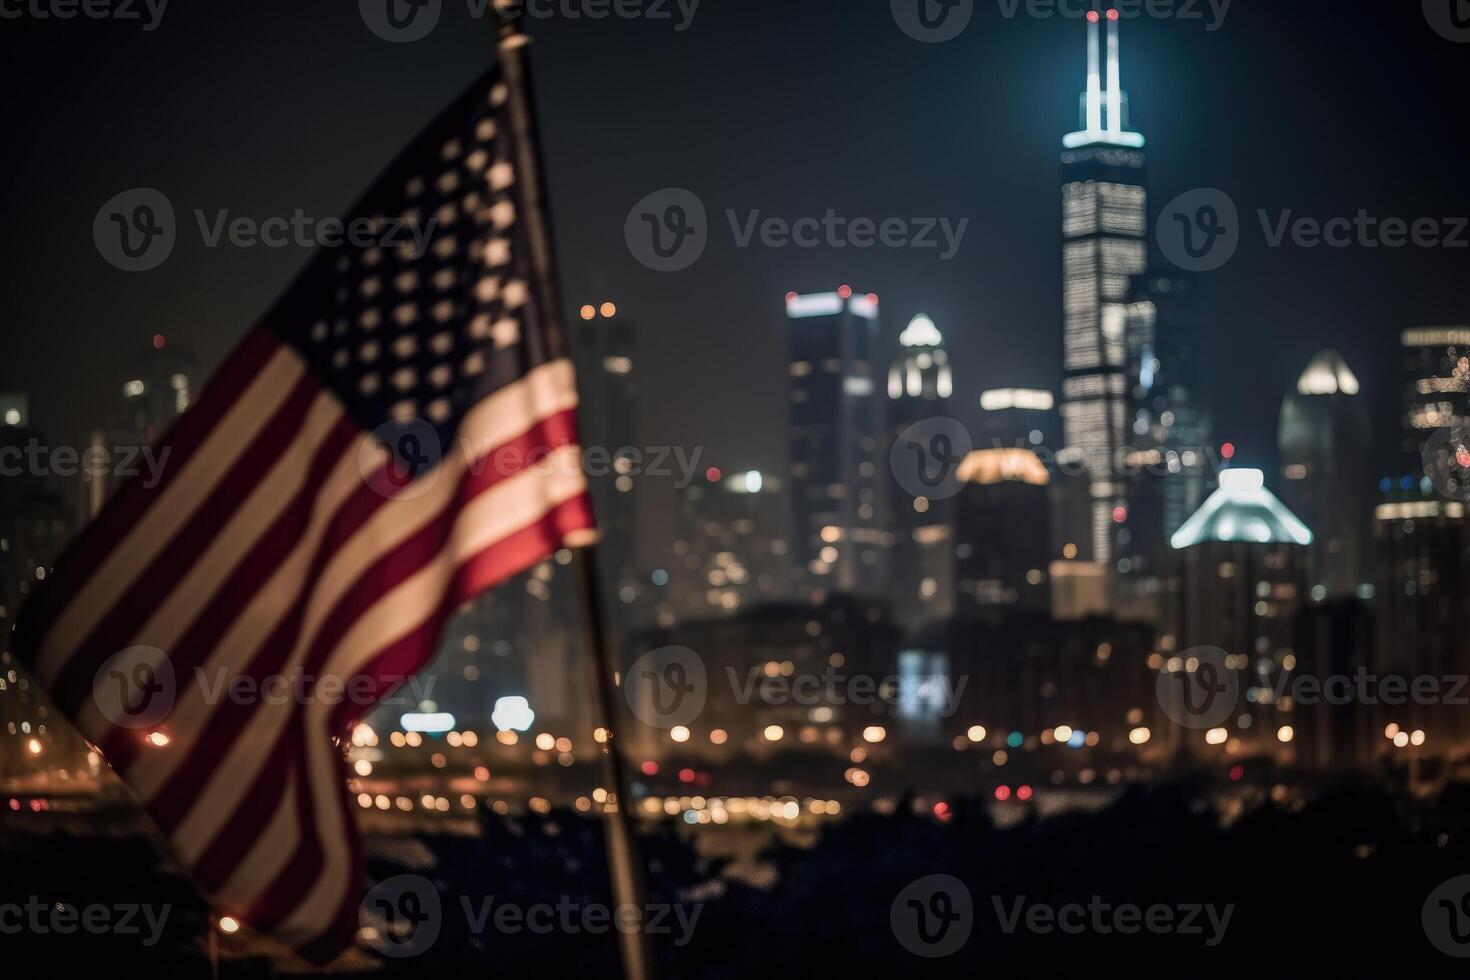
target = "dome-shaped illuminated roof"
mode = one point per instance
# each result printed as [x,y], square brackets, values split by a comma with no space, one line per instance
[921,332]
[988,466]
[1242,510]
[1327,374]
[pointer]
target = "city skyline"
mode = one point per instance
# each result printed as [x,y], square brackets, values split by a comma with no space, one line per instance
[976,312]
[775,436]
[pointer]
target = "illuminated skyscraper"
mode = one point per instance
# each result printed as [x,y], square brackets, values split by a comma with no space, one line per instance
[836,438]
[1437,397]
[1106,334]
[1422,604]
[1243,565]
[730,547]
[1003,544]
[1016,418]
[920,384]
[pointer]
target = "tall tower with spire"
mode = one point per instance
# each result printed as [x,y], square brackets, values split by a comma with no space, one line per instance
[1104,256]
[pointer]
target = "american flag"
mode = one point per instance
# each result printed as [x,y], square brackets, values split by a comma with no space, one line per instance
[396,436]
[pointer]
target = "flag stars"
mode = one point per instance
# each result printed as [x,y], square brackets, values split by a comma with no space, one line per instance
[498,94]
[497,253]
[506,333]
[448,300]
[503,215]
[501,176]
[515,294]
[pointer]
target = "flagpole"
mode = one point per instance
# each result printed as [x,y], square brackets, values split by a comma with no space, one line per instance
[624,864]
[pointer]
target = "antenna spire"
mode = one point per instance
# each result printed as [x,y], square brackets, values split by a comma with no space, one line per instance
[1104,112]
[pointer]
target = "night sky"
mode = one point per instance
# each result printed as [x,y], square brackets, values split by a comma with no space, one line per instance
[787,106]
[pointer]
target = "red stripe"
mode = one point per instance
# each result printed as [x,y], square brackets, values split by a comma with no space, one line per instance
[178,557]
[178,795]
[237,590]
[409,653]
[402,657]
[132,499]
[502,560]
[300,872]
[218,861]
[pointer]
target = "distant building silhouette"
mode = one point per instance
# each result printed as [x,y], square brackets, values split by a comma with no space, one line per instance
[1327,477]
[919,387]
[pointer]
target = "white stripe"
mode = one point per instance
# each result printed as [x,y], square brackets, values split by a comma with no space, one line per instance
[199,690]
[491,517]
[189,489]
[228,548]
[501,417]
[496,513]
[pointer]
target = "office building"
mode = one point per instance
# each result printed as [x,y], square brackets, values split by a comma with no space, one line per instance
[837,438]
